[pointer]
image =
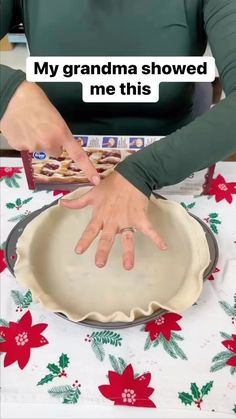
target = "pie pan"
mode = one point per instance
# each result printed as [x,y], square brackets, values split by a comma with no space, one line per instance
[20,227]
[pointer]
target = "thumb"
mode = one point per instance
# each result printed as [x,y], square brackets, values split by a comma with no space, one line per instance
[77,153]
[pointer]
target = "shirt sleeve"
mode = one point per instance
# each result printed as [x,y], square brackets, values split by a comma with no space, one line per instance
[9,79]
[209,138]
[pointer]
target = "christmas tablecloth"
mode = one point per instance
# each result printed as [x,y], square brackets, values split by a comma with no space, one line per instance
[175,366]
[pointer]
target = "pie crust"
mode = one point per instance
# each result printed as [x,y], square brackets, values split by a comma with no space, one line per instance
[71,284]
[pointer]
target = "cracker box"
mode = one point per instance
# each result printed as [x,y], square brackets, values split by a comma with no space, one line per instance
[62,173]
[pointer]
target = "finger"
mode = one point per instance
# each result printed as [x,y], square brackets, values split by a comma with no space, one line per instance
[127,240]
[88,236]
[54,152]
[77,203]
[77,153]
[104,246]
[145,227]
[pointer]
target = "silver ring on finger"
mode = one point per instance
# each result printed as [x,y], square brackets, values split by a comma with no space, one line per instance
[125,229]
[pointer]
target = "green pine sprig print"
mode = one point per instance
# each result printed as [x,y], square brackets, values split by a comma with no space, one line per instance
[11,182]
[68,394]
[19,217]
[234,409]
[3,246]
[170,346]
[21,300]
[101,338]
[213,221]
[196,395]
[56,370]
[220,360]
[118,364]
[5,324]
[230,310]
[18,203]
[188,206]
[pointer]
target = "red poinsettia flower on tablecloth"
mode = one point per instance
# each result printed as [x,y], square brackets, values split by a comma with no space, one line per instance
[211,277]
[231,346]
[58,192]
[163,324]
[126,390]
[222,189]
[19,338]
[3,264]
[9,171]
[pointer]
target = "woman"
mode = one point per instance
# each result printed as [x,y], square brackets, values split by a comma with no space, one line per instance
[29,119]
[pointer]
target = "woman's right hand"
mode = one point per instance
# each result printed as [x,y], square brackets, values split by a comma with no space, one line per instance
[32,123]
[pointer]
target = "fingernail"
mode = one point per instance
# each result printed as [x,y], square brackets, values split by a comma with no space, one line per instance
[100,264]
[128,267]
[96,180]
[163,246]
[79,250]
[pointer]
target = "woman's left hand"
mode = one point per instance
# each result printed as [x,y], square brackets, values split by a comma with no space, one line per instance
[117,204]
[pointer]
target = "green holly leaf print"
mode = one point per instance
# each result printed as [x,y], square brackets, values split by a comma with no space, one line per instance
[25,201]
[46,379]
[72,397]
[232,370]
[107,336]
[64,361]
[190,206]
[206,388]
[98,350]
[215,221]
[18,202]
[214,228]
[10,205]
[213,215]
[60,391]
[18,297]
[53,368]
[186,398]
[231,311]
[195,391]
[234,409]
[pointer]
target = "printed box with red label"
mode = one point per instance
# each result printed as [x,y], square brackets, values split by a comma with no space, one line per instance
[105,152]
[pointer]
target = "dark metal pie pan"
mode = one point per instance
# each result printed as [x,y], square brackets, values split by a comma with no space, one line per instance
[11,260]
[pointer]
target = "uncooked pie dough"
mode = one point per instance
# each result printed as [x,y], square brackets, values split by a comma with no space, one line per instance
[71,284]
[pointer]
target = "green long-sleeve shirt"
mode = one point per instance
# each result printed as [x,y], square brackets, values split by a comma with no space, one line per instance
[138,28]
